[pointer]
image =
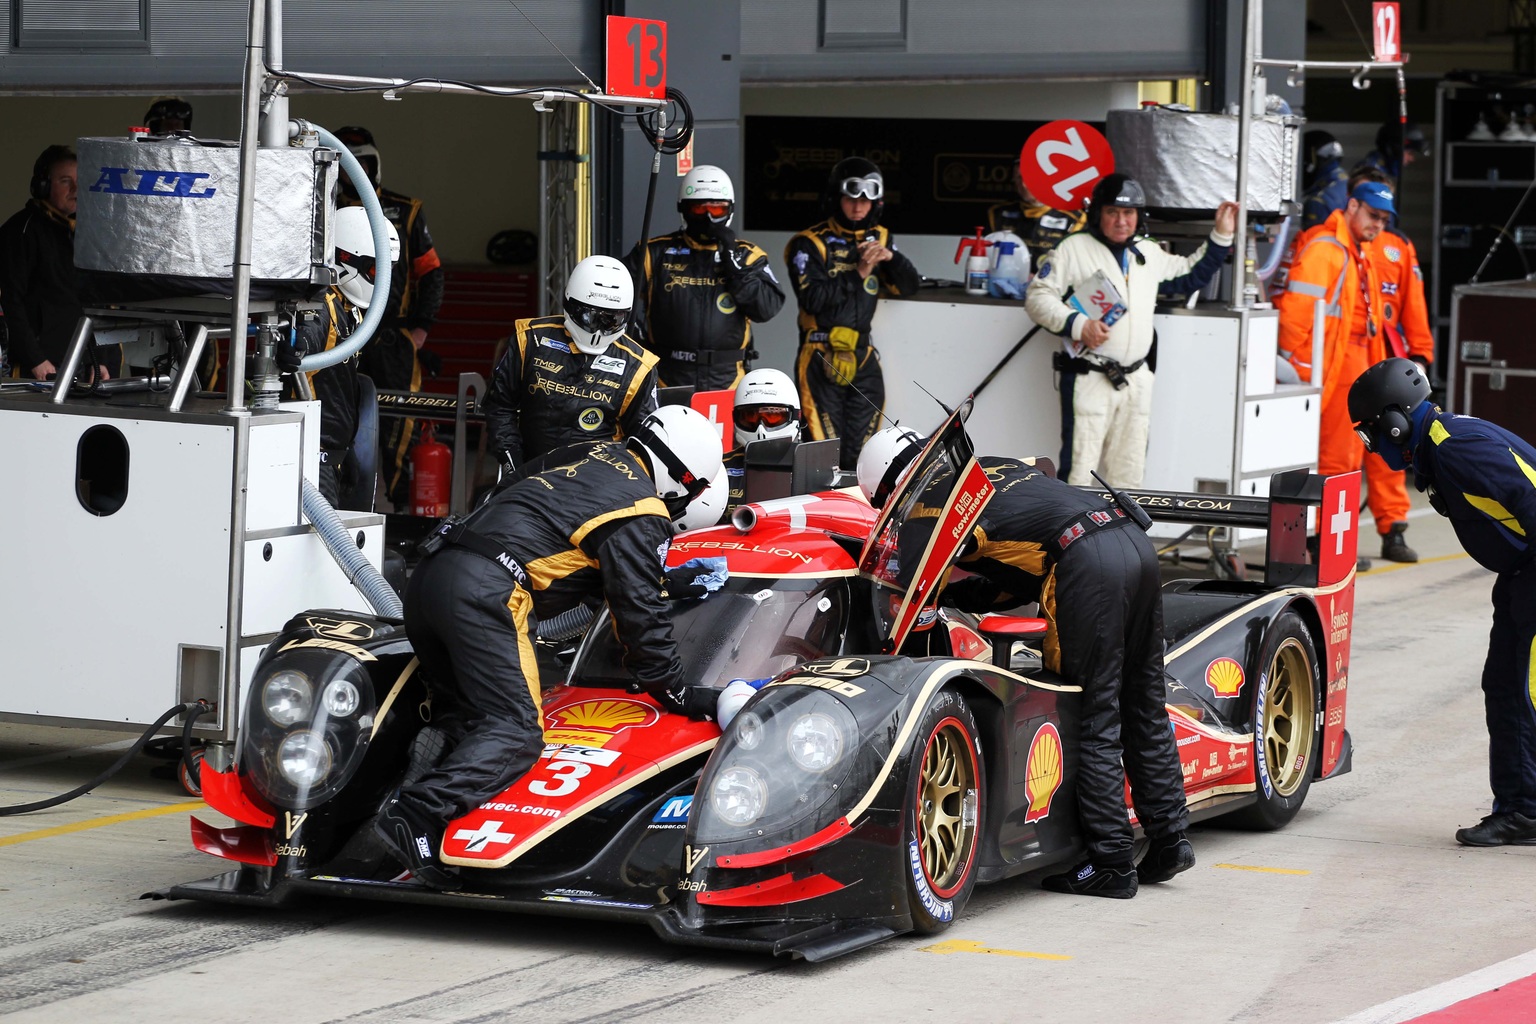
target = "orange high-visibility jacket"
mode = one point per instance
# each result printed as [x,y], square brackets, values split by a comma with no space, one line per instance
[1324,269]
[1395,263]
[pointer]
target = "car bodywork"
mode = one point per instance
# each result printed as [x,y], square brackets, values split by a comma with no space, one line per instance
[898,754]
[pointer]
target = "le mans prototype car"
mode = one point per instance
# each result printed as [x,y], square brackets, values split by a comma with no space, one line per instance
[900,753]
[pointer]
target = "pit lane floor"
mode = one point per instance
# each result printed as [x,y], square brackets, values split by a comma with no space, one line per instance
[1363,900]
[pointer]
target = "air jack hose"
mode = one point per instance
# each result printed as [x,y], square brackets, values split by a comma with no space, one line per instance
[192,710]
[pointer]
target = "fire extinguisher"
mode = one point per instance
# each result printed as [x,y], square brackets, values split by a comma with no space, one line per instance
[431,476]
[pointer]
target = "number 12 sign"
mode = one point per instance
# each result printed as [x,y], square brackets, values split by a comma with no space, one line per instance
[1388,31]
[637,57]
[1062,161]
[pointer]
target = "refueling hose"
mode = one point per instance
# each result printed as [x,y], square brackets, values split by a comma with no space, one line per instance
[192,710]
[359,571]
[383,269]
[663,141]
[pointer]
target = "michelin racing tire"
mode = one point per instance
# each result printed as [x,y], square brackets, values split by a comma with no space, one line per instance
[941,827]
[1287,740]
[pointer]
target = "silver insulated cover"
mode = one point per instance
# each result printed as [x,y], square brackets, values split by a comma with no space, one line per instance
[165,209]
[1188,161]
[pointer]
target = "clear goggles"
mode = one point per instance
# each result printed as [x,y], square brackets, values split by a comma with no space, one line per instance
[871,188]
[750,417]
[596,319]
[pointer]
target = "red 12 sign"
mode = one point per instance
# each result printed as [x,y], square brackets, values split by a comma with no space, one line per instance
[637,57]
[1388,31]
[1062,161]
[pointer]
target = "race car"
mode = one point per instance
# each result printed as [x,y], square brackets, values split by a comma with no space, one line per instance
[896,754]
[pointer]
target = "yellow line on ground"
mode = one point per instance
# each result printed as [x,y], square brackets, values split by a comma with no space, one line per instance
[111,819]
[1374,570]
[967,946]
[1268,871]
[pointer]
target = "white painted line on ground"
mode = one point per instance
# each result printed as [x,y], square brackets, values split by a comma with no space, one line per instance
[1438,997]
[64,755]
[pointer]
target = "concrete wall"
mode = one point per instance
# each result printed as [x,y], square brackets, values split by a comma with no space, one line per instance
[470,159]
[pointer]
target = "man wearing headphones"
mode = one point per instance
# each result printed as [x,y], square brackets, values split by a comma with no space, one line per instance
[393,358]
[1106,384]
[37,273]
[839,269]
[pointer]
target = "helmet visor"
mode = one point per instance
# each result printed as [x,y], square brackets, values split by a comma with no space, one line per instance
[871,188]
[596,319]
[713,209]
[749,417]
[1368,437]
[364,265]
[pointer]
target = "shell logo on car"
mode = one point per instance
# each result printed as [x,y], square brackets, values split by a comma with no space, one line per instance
[592,723]
[1224,676]
[1043,776]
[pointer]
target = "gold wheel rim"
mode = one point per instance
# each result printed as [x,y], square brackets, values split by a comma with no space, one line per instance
[1290,717]
[946,806]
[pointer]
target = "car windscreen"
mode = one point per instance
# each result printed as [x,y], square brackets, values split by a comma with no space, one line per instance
[752,628]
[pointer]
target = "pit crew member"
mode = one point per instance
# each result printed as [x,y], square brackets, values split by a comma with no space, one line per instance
[765,407]
[1042,227]
[598,525]
[1482,478]
[573,378]
[700,289]
[838,269]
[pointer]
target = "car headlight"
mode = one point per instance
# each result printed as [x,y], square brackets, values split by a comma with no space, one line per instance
[341,698]
[815,742]
[288,697]
[749,730]
[304,758]
[739,796]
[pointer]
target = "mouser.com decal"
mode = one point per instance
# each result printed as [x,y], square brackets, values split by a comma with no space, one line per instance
[939,910]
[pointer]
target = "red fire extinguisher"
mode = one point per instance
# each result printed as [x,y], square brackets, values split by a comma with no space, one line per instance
[431,476]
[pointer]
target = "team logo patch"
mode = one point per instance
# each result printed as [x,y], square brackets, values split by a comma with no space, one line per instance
[1045,270]
[725,303]
[558,346]
[1389,287]
[1392,253]
[677,251]
[801,259]
[872,284]
[339,629]
[592,723]
[609,364]
[590,419]
[1388,312]
[1224,676]
[1044,772]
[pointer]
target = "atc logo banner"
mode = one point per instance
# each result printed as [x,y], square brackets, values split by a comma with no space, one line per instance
[170,184]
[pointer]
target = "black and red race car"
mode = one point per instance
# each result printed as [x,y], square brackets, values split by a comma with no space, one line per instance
[899,754]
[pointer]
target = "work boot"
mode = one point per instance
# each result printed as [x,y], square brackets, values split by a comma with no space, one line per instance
[1394,548]
[411,837]
[1116,882]
[1510,829]
[1166,857]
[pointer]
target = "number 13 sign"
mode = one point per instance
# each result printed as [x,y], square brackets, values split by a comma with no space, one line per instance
[637,57]
[1062,161]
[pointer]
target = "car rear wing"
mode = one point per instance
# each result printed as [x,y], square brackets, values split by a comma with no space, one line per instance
[1283,515]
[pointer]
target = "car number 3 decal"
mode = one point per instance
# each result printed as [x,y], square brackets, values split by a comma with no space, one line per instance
[568,776]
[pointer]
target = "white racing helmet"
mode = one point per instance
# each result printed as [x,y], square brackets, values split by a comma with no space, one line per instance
[707,508]
[884,461]
[598,298]
[355,262]
[767,405]
[706,183]
[685,458]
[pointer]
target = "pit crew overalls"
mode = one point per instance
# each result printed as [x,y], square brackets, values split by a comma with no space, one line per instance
[842,389]
[1041,227]
[335,386]
[592,527]
[698,309]
[1483,478]
[546,393]
[1095,575]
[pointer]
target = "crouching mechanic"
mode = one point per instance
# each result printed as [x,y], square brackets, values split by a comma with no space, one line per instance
[572,378]
[701,288]
[323,329]
[1095,575]
[1482,478]
[766,407]
[1106,388]
[599,525]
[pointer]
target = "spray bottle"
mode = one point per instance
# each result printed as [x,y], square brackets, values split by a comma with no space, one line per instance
[1010,265]
[976,265]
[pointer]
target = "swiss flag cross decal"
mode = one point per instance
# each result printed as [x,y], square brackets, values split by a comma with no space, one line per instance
[1339,527]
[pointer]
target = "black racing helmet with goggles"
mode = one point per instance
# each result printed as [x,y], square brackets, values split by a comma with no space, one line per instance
[856,178]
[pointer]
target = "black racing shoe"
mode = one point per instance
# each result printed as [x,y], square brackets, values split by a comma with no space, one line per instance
[410,836]
[1510,829]
[1116,883]
[1166,857]
[1394,548]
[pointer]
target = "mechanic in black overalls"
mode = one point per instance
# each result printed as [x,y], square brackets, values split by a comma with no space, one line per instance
[600,525]
[765,407]
[1095,575]
[1483,478]
[572,379]
[700,289]
[1041,226]
[839,269]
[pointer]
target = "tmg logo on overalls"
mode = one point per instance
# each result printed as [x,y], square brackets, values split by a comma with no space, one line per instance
[173,184]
